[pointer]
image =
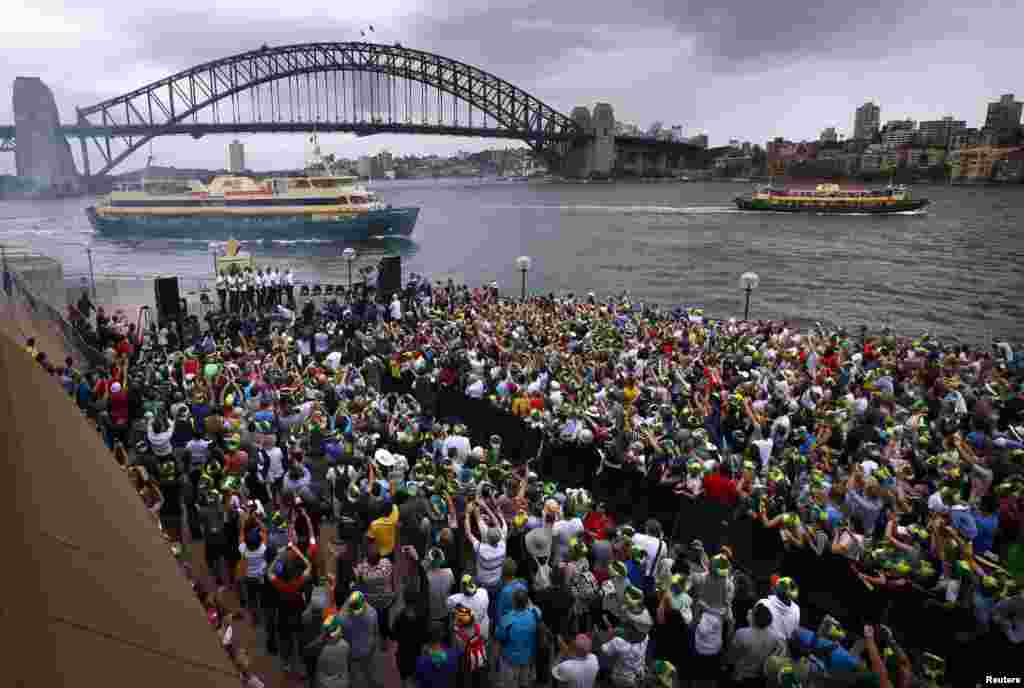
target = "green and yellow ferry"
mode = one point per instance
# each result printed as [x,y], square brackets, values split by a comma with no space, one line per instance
[830,198]
[321,207]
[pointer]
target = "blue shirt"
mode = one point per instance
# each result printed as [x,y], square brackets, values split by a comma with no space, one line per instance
[360,631]
[505,596]
[635,573]
[987,526]
[517,632]
[430,675]
[839,660]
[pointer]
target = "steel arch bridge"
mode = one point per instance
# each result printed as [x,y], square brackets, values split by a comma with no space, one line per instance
[359,87]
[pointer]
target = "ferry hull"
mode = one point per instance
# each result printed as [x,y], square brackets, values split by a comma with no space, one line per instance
[391,222]
[831,208]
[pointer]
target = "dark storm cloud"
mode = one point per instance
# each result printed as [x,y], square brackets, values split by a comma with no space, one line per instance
[525,41]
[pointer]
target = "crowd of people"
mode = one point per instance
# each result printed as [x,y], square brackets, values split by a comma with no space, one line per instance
[466,564]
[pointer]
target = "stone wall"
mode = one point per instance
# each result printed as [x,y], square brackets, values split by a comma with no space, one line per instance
[43,276]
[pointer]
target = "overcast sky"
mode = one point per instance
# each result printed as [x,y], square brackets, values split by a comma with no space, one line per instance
[746,69]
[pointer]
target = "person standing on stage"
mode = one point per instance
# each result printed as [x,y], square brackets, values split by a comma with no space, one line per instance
[275,287]
[233,283]
[289,284]
[250,290]
[222,290]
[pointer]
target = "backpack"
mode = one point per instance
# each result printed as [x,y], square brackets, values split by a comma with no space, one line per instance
[584,587]
[542,577]
[474,652]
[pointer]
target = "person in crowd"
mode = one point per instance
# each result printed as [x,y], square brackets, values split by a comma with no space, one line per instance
[289,575]
[375,577]
[577,666]
[439,664]
[751,646]
[517,633]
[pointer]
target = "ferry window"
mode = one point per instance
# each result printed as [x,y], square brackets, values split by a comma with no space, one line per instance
[299,184]
[359,199]
[324,183]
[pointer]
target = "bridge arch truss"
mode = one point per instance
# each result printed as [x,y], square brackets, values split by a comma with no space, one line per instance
[362,87]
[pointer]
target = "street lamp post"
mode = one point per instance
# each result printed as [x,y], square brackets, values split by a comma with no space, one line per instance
[748,282]
[92,275]
[524,263]
[350,256]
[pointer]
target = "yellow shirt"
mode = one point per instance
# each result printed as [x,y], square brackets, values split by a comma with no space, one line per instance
[383,532]
[630,394]
[521,407]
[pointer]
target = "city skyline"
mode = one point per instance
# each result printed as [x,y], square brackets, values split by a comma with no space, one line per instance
[714,71]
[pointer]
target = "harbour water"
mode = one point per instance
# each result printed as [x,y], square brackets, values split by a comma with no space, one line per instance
[955,270]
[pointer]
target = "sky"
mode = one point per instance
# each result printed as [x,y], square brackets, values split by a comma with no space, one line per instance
[742,70]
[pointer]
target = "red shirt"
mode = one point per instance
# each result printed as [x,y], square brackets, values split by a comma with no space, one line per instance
[236,462]
[191,367]
[596,523]
[124,347]
[119,407]
[720,488]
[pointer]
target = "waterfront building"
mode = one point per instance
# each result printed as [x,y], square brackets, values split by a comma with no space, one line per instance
[898,132]
[939,132]
[866,121]
[965,138]
[979,163]
[1002,120]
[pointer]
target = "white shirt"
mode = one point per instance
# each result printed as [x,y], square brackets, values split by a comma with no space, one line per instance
[561,533]
[650,545]
[764,450]
[475,390]
[333,360]
[276,469]
[461,445]
[869,467]
[785,618]
[396,310]
[936,504]
[289,278]
[255,564]
[577,673]
[478,605]
[632,657]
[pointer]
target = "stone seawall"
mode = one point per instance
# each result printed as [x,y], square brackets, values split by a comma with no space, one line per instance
[43,276]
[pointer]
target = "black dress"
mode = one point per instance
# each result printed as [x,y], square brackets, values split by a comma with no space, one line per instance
[412,632]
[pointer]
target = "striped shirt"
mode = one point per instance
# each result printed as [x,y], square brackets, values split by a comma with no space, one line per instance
[489,561]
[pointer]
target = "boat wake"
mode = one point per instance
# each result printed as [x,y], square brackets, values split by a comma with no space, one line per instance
[629,209]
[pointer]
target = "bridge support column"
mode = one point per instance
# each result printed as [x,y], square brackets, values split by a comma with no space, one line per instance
[85,158]
[602,146]
[41,154]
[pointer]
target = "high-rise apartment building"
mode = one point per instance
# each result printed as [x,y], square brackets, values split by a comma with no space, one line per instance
[898,132]
[866,121]
[236,157]
[939,132]
[1002,121]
